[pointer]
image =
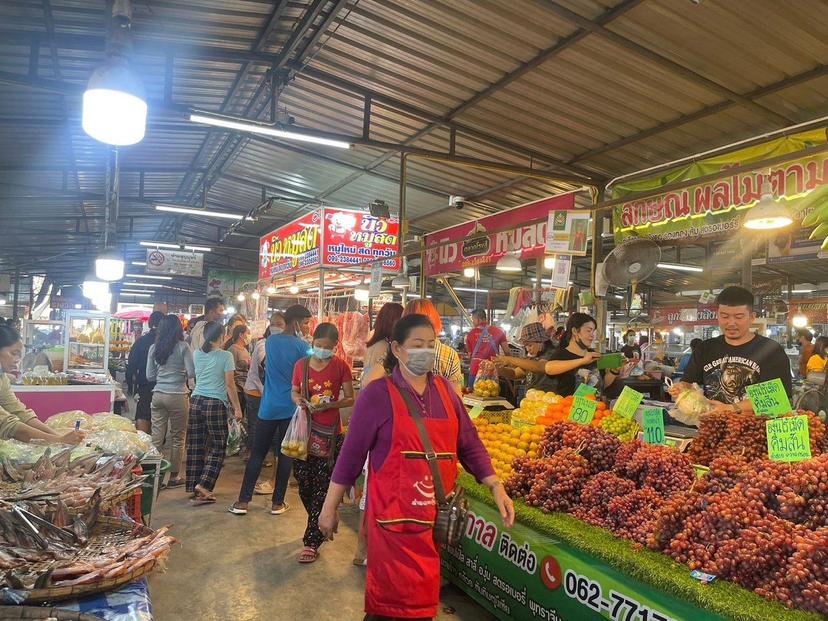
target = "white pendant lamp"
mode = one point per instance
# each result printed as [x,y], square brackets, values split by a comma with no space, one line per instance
[508,263]
[362,293]
[294,289]
[767,214]
[93,288]
[469,272]
[109,266]
[115,103]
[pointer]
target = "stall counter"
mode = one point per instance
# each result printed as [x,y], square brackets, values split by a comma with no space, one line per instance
[555,567]
[47,400]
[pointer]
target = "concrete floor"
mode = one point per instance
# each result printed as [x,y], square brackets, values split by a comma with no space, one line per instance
[243,568]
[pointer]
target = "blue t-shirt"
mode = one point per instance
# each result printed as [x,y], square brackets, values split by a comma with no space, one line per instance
[209,373]
[282,351]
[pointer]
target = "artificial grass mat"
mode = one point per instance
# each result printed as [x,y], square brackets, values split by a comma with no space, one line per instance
[653,568]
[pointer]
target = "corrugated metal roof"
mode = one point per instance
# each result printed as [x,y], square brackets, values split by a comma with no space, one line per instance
[602,87]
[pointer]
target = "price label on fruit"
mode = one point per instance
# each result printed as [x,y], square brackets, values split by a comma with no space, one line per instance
[475,411]
[628,402]
[789,438]
[583,410]
[585,389]
[769,398]
[653,426]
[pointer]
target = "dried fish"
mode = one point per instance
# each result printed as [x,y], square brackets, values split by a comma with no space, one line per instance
[10,471]
[91,517]
[80,531]
[43,579]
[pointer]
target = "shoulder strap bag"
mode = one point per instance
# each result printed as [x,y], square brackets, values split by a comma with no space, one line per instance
[323,439]
[452,509]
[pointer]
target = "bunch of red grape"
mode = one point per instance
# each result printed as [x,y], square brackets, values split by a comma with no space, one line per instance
[661,468]
[631,515]
[524,471]
[595,445]
[724,473]
[596,495]
[624,455]
[558,484]
[806,574]
[711,436]
[671,517]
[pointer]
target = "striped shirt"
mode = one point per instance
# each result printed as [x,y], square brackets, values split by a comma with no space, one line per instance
[447,364]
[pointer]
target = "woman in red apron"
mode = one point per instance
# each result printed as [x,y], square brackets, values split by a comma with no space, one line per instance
[403,579]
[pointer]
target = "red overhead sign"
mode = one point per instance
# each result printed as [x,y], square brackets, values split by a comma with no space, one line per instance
[460,252]
[291,247]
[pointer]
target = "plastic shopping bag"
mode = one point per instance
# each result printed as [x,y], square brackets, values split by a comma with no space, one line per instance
[295,443]
[234,437]
[485,382]
[690,406]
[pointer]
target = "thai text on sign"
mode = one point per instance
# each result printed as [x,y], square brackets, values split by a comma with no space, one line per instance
[789,438]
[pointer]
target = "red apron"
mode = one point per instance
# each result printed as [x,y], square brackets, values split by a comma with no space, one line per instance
[404,563]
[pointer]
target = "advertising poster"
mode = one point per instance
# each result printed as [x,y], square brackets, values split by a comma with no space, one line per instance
[291,247]
[466,245]
[354,237]
[226,283]
[567,232]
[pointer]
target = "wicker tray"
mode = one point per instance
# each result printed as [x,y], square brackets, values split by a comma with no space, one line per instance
[106,531]
[17,613]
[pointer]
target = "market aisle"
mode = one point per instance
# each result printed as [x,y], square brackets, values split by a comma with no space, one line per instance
[245,569]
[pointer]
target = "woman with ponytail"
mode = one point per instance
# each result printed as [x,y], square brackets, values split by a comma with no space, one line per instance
[16,420]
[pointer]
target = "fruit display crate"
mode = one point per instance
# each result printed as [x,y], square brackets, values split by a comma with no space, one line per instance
[554,566]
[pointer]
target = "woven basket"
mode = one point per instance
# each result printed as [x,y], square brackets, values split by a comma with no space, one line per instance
[106,528]
[16,613]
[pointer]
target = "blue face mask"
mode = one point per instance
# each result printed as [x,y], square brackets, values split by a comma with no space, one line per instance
[322,353]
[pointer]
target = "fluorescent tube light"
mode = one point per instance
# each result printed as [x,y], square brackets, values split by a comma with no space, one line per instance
[140,263]
[201,212]
[151,285]
[198,248]
[679,267]
[266,130]
[149,276]
[136,294]
[154,244]
[470,289]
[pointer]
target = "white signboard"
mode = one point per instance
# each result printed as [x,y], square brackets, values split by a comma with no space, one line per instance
[567,232]
[561,271]
[376,280]
[174,262]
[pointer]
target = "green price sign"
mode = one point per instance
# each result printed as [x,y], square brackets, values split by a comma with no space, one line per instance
[583,410]
[769,398]
[475,411]
[653,426]
[628,402]
[789,438]
[585,389]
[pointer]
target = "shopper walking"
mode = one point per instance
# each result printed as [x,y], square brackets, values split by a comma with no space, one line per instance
[322,384]
[237,344]
[170,365]
[213,311]
[446,359]
[404,561]
[282,352]
[373,365]
[136,374]
[207,427]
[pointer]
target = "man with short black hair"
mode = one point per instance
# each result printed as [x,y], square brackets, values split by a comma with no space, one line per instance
[806,349]
[136,374]
[213,311]
[725,365]
[483,342]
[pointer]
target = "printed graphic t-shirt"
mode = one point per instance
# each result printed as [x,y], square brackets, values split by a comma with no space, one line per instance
[724,371]
[324,386]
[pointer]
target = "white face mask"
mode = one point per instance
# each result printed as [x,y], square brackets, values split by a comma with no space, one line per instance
[276,330]
[420,361]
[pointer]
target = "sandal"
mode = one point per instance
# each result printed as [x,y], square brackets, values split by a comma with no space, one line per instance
[308,555]
[176,482]
[199,500]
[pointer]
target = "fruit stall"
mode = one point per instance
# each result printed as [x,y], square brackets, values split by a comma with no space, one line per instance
[612,527]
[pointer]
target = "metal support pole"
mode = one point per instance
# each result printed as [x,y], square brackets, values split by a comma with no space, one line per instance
[789,322]
[402,214]
[422,273]
[747,264]
[366,118]
[457,301]
[32,298]
[16,299]
[321,297]
[538,277]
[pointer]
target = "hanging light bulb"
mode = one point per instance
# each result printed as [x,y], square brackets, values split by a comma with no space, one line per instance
[93,288]
[508,263]
[767,214]
[469,272]
[241,297]
[294,289]
[109,266]
[401,282]
[115,103]
[361,293]
[271,290]
[799,321]
[549,263]
[255,295]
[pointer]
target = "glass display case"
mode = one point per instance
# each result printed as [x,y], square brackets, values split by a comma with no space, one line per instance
[44,344]
[87,341]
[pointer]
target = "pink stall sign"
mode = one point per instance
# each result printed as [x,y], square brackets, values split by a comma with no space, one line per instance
[462,252]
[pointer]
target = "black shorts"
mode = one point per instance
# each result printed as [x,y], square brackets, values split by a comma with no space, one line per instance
[142,408]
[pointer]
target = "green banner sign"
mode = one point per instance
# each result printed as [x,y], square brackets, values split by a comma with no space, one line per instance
[521,575]
[628,402]
[789,439]
[769,398]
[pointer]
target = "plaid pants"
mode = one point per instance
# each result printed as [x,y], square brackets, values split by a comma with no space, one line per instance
[206,441]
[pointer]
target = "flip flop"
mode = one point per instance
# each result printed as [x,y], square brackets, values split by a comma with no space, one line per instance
[202,500]
[308,555]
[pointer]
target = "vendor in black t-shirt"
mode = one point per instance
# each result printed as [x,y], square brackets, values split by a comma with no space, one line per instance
[631,349]
[573,362]
[724,366]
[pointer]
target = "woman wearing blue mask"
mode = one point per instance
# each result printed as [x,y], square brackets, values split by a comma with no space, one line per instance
[322,384]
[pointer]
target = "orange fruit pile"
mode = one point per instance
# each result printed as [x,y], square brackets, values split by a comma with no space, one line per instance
[559,412]
[504,443]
